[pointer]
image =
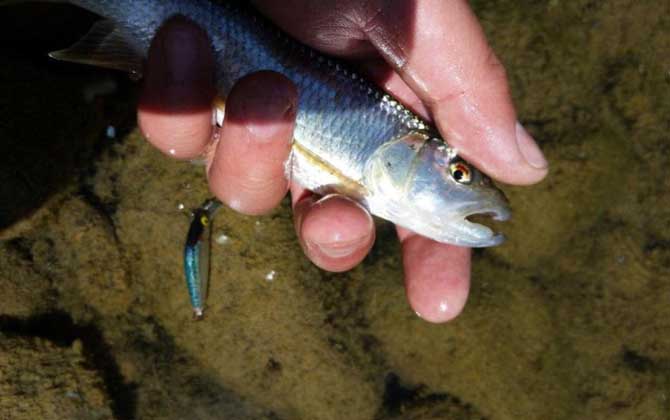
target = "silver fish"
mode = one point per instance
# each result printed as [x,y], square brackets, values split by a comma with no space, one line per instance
[350,137]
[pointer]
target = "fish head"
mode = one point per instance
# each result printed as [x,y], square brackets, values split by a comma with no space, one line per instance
[422,184]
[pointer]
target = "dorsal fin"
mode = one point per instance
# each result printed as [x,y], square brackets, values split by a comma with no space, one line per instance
[103,46]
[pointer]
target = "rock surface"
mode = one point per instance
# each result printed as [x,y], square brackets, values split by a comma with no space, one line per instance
[39,380]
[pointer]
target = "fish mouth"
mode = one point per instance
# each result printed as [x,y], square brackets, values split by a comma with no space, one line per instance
[477,235]
[499,214]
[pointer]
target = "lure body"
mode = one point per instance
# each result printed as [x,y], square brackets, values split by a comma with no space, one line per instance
[196,255]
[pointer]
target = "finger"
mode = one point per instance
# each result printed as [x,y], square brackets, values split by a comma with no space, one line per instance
[331,26]
[175,110]
[378,70]
[247,170]
[446,60]
[335,232]
[437,276]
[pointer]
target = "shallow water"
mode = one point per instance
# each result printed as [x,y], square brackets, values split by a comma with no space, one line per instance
[568,320]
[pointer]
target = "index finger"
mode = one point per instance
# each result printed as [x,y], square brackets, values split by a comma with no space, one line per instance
[445,58]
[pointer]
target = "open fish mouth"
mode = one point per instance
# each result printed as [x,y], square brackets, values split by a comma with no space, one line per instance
[473,234]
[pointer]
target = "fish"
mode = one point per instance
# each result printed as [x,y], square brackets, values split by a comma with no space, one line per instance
[350,136]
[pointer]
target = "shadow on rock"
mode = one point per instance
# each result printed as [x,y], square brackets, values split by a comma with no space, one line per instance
[59,328]
[53,118]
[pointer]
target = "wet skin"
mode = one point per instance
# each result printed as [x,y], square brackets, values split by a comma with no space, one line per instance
[447,74]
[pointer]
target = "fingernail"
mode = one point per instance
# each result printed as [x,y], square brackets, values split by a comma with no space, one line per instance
[334,196]
[342,248]
[184,50]
[268,112]
[529,149]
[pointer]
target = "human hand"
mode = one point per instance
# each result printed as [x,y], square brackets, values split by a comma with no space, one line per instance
[431,55]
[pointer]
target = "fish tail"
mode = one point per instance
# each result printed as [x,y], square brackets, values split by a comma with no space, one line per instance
[112,42]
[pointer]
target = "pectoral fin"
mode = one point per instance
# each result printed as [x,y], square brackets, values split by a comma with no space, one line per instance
[219,110]
[104,46]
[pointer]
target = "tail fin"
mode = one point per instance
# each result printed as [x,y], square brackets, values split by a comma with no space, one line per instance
[104,46]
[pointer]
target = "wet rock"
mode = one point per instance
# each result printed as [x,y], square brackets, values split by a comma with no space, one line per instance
[266,337]
[40,380]
[77,249]
[24,290]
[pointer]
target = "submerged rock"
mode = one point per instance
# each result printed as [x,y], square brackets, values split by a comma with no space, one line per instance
[41,380]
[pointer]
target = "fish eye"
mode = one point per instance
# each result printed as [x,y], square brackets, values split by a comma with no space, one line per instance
[204,220]
[460,172]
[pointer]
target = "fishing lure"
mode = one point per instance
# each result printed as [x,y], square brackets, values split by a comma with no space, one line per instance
[196,255]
